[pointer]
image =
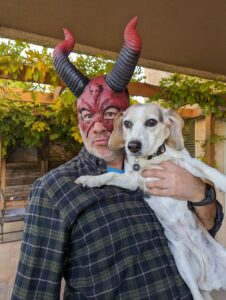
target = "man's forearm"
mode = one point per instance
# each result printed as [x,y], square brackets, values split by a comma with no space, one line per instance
[208,210]
[210,216]
[207,214]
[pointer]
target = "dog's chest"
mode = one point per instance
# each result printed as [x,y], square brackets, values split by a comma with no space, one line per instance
[173,214]
[166,206]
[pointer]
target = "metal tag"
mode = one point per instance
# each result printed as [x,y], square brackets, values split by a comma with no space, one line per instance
[136,167]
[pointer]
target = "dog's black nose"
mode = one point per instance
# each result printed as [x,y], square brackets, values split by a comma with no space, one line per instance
[134,146]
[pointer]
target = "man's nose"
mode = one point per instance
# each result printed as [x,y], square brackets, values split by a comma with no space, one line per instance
[99,127]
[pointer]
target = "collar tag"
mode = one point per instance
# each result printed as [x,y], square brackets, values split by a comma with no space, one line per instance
[136,166]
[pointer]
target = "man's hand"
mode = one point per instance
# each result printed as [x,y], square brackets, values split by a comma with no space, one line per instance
[175,181]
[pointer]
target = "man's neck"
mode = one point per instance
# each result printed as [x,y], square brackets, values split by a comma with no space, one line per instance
[117,163]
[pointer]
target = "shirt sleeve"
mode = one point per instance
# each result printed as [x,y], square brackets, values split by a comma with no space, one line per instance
[41,260]
[218,220]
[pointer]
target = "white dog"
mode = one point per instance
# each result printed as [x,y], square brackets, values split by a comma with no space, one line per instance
[150,135]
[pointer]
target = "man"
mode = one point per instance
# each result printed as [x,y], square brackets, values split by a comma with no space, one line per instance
[106,242]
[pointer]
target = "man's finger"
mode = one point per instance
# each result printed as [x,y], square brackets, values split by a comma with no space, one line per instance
[158,184]
[158,192]
[153,173]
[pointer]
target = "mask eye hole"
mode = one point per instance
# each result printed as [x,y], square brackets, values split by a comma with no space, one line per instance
[86,115]
[150,123]
[128,124]
[110,113]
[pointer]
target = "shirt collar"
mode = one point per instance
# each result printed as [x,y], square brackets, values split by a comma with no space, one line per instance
[96,162]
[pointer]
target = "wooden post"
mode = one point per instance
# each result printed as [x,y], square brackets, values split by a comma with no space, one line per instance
[44,167]
[210,153]
[1,195]
[0,158]
[2,168]
[3,174]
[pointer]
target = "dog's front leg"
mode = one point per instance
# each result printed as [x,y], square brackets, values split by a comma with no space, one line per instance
[125,180]
[201,170]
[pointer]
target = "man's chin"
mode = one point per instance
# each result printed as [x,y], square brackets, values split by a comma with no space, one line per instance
[100,149]
[110,156]
[102,152]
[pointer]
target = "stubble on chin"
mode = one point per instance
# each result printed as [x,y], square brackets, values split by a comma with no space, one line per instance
[102,152]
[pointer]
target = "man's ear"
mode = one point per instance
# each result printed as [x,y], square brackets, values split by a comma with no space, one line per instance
[175,124]
[116,140]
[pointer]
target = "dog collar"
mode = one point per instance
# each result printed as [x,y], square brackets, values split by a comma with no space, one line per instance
[161,149]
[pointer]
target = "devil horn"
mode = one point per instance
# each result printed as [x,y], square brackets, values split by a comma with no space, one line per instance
[71,76]
[126,62]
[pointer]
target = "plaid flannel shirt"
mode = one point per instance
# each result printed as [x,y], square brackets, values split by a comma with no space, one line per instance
[106,242]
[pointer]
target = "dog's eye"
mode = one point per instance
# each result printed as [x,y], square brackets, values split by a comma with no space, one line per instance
[127,124]
[151,123]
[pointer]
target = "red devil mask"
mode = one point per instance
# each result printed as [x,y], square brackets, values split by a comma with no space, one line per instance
[101,96]
[99,103]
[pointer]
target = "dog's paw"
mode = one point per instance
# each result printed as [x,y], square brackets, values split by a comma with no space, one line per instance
[88,180]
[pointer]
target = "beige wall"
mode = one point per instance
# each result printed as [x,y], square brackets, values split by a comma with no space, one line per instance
[220,158]
[154,76]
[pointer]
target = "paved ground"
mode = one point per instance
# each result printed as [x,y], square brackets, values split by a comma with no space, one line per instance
[9,254]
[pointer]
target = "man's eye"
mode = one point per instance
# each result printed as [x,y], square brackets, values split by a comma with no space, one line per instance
[150,123]
[128,124]
[86,116]
[110,113]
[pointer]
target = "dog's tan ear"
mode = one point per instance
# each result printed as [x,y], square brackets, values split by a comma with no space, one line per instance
[175,124]
[116,140]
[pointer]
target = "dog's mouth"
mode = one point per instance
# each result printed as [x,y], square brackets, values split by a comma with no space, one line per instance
[136,149]
[134,154]
[160,150]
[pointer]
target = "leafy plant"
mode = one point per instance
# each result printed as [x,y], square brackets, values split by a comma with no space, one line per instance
[179,90]
[30,123]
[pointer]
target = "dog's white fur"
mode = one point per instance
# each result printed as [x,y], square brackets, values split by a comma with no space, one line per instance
[200,260]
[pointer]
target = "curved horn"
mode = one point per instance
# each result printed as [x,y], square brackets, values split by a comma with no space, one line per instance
[72,77]
[122,72]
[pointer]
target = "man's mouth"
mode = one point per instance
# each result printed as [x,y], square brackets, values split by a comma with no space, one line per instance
[101,141]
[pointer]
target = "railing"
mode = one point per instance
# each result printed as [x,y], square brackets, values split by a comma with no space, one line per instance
[11,211]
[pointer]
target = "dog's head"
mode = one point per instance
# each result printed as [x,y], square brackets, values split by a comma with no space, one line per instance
[143,128]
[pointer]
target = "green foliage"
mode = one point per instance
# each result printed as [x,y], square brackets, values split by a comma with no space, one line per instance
[179,90]
[17,58]
[29,123]
[32,124]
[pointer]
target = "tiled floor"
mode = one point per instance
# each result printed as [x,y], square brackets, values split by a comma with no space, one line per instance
[9,255]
